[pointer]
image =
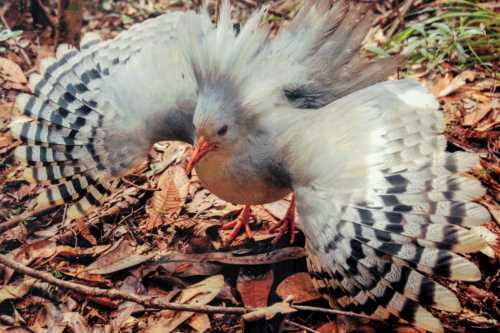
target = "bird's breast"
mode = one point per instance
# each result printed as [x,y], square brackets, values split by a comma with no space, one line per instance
[238,182]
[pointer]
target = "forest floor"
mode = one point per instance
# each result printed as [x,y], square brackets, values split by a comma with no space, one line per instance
[158,238]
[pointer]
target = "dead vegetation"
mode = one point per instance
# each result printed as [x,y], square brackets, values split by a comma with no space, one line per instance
[157,241]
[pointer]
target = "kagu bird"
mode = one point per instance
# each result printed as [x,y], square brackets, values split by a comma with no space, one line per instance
[380,202]
[383,207]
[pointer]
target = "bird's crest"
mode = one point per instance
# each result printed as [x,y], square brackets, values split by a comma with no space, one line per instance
[220,56]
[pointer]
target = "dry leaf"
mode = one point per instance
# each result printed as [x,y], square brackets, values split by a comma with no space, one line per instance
[25,255]
[254,290]
[299,286]
[199,322]
[458,82]
[167,203]
[123,254]
[407,329]
[328,328]
[492,248]
[491,121]
[84,230]
[10,71]
[6,140]
[200,293]
[475,116]
[72,22]
[440,84]
[16,290]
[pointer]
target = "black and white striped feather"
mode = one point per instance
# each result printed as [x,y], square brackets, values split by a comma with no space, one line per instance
[384,208]
[96,111]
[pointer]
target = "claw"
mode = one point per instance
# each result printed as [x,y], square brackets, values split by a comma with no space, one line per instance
[288,222]
[241,221]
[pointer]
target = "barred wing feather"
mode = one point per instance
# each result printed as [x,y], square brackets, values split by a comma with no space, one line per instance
[96,111]
[384,208]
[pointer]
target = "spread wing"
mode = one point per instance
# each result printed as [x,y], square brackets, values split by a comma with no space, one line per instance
[384,208]
[96,111]
[324,41]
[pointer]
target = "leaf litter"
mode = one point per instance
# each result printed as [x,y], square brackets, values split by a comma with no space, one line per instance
[159,233]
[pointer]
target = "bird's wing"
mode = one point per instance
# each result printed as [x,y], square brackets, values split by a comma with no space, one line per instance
[96,111]
[324,40]
[382,205]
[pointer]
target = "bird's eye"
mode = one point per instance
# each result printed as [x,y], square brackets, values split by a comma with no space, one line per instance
[222,131]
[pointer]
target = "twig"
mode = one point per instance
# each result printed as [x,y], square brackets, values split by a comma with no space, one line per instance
[228,258]
[147,301]
[126,181]
[302,327]
[329,311]
[24,216]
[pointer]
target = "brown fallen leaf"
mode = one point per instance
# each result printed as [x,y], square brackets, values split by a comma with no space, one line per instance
[254,289]
[72,21]
[440,84]
[490,121]
[299,286]
[475,116]
[84,230]
[202,292]
[67,251]
[407,329]
[10,71]
[328,328]
[167,203]
[16,290]
[199,322]
[40,249]
[6,140]
[457,82]
[123,254]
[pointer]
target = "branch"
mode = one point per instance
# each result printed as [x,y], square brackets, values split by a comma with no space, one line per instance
[24,216]
[148,301]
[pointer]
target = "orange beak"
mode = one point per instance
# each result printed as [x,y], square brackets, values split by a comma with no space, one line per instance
[201,148]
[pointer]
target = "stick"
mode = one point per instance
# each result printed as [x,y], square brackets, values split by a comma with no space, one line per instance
[148,301]
[302,327]
[329,311]
[24,216]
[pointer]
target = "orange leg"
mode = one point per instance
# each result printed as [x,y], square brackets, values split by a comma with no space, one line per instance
[288,222]
[241,221]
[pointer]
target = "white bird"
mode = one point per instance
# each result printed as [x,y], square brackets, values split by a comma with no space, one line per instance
[383,207]
[97,111]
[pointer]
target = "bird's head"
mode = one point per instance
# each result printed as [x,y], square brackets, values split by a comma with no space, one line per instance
[217,123]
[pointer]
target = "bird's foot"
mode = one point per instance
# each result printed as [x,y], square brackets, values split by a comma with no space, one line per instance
[287,223]
[238,223]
